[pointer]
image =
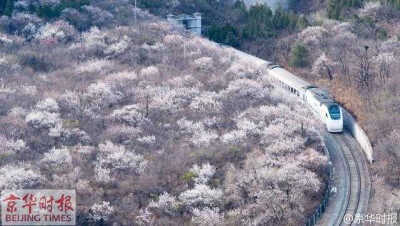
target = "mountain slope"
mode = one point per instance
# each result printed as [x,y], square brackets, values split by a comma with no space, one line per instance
[150,124]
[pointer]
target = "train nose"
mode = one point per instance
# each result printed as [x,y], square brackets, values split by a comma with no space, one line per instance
[335,126]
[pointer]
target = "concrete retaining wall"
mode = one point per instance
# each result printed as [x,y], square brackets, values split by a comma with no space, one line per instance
[358,133]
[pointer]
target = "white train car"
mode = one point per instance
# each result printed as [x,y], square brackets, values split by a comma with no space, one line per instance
[326,108]
[323,105]
[287,80]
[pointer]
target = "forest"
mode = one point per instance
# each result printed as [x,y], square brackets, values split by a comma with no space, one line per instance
[149,124]
[350,48]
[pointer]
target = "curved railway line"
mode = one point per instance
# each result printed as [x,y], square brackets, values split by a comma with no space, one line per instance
[352,182]
[356,186]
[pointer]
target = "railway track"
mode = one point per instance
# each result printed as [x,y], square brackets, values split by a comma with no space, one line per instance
[356,182]
[352,176]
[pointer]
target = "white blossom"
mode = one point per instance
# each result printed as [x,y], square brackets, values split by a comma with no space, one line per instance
[18,112]
[101,210]
[167,99]
[201,194]
[57,159]
[390,45]
[385,58]
[47,105]
[116,157]
[207,217]
[166,203]
[95,39]
[344,27]
[4,39]
[313,35]
[129,114]
[203,172]
[59,30]
[189,127]
[102,174]
[173,39]
[212,122]
[245,88]
[28,90]
[43,119]
[321,64]
[118,47]
[83,187]
[121,77]
[18,177]
[234,137]
[204,63]
[206,102]
[147,140]
[185,81]
[9,146]
[144,217]
[92,66]
[203,138]
[149,71]
[101,94]
[70,101]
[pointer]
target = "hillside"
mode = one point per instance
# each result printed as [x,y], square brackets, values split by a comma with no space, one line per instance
[353,54]
[149,124]
[351,48]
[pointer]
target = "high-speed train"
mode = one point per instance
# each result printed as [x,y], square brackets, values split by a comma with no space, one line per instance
[323,105]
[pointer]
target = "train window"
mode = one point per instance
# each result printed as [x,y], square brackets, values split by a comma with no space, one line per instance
[334,111]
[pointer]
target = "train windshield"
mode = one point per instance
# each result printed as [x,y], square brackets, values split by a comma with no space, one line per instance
[334,111]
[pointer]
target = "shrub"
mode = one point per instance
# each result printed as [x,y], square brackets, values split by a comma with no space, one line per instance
[129,114]
[102,95]
[59,31]
[299,56]
[166,203]
[43,119]
[35,61]
[19,177]
[208,217]
[189,177]
[101,211]
[116,157]
[9,147]
[206,103]
[97,16]
[69,102]
[57,159]
[203,173]
[314,35]
[119,47]
[47,105]
[201,195]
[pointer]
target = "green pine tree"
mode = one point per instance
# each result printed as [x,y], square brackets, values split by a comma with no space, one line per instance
[8,7]
[334,9]
[299,56]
